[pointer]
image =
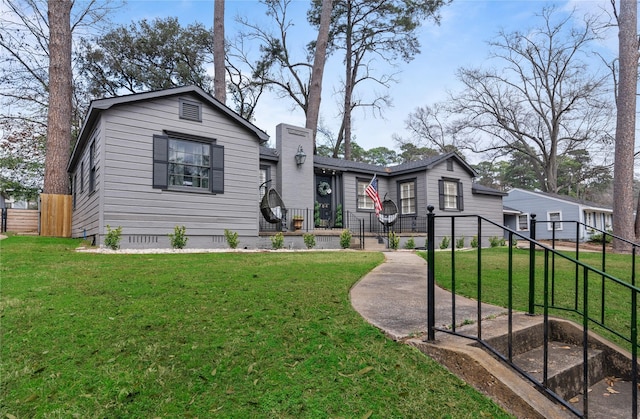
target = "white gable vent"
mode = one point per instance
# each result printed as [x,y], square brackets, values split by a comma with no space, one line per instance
[190,110]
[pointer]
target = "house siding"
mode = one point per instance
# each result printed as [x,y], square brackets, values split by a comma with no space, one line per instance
[86,220]
[126,188]
[540,205]
[473,204]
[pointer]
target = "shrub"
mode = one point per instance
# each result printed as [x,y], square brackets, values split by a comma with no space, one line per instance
[496,241]
[598,238]
[345,239]
[277,241]
[394,240]
[112,241]
[474,242]
[444,244]
[339,215]
[179,238]
[460,243]
[410,244]
[309,240]
[232,238]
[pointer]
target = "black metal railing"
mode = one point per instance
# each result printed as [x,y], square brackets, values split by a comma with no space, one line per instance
[3,220]
[356,226]
[580,305]
[402,224]
[599,237]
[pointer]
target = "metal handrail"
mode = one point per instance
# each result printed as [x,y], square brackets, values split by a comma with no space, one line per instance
[550,255]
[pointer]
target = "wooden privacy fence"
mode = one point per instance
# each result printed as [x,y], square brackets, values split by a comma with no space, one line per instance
[55,215]
[21,221]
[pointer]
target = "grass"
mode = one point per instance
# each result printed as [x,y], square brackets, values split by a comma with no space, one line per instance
[205,335]
[561,291]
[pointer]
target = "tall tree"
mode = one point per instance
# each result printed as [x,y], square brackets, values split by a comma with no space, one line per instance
[384,29]
[56,180]
[623,224]
[147,56]
[544,103]
[317,72]
[219,83]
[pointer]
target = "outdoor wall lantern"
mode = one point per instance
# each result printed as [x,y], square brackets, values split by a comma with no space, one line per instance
[300,156]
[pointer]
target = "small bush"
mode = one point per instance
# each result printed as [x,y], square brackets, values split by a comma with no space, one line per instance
[496,241]
[444,244]
[179,238]
[460,243]
[277,241]
[410,244]
[345,239]
[598,238]
[112,241]
[474,242]
[232,238]
[309,240]
[394,240]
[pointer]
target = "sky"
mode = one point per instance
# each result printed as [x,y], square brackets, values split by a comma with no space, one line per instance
[459,41]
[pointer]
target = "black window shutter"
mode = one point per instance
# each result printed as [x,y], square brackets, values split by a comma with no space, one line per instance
[441,193]
[460,198]
[217,168]
[160,161]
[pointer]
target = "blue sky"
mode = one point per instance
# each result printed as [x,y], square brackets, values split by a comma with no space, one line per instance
[459,41]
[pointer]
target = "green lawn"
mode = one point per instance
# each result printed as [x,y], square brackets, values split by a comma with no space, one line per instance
[201,335]
[494,274]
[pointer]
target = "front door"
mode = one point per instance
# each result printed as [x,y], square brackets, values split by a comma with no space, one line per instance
[324,191]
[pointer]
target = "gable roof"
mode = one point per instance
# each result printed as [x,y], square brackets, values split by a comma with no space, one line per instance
[566,198]
[424,164]
[99,105]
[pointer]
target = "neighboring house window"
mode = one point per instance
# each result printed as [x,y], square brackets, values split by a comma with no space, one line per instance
[407,197]
[364,202]
[450,165]
[264,177]
[554,216]
[190,110]
[450,191]
[186,164]
[82,177]
[590,219]
[523,222]
[92,167]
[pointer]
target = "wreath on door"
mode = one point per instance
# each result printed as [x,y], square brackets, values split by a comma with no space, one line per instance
[324,188]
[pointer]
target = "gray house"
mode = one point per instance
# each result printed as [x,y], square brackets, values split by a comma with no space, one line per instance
[571,218]
[152,161]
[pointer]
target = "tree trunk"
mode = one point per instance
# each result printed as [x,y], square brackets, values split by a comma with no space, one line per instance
[56,180]
[623,224]
[219,80]
[319,59]
[348,85]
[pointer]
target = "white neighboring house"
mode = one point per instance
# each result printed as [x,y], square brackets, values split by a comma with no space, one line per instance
[564,210]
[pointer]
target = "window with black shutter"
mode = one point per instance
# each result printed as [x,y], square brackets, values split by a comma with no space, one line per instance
[188,163]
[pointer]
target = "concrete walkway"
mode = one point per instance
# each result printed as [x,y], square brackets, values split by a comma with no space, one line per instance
[393,297]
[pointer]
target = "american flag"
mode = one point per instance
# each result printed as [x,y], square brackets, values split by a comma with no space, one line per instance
[372,192]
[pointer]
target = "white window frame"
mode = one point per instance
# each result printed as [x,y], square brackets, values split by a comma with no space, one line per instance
[518,222]
[558,224]
[364,202]
[407,197]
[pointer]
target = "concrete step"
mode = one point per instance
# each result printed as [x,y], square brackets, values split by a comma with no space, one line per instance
[564,366]
[610,391]
[374,243]
[610,398]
